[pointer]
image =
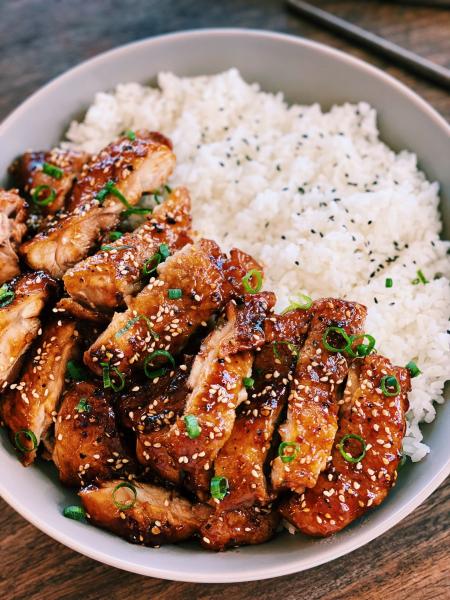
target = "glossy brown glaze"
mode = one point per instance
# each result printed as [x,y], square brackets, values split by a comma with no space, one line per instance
[13,215]
[311,422]
[72,308]
[346,489]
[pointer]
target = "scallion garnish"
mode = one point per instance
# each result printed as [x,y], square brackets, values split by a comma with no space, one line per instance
[29,436]
[108,381]
[76,372]
[340,332]
[115,235]
[420,278]
[175,294]
[53,171]
[252,276]
[390,385]
[348,457]
[158,372]
[288,451]
[388,283]
[130,135]
[164,250]
[219,487]
[157,258]
[77,513]
[168,189]
[109,248]
[126,505]
[6,295]
[301,301]
[248,382]
[363,349]
[292,347]
[48,199]
[413,369]
[83,406]
[192,426]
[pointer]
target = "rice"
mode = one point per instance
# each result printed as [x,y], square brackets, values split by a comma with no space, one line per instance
[315,196]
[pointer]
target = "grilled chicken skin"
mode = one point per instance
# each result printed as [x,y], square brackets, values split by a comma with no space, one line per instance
[199,271]
[88,445]
[124,169]
[311,422]
[217,384]
[155,515]
[30,404]
[13,214]
[19,320]
[56,169]
[102,281]
[78,311]
[348,487]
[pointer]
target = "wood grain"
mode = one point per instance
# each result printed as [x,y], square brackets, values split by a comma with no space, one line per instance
[40,39]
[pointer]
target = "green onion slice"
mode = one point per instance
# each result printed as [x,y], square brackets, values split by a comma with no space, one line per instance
[108,382]
[420,278]
[168,189]
[76,372]
[110,188]
[129,324]
[29,436]
[390,385]
[126,505]
[219,487]
[290,455]
[192,426]
[301,301]
[115,235]
[53,171]
[6,295]
[77,513]
[292,347]
[83,406]
[342,333]
[164,251]
[388,283]
[151,263]
[252,275]
[130,135]
[175,294]
[248,382]
[158,372]
[108,247]
[413,369]
[348,457]
[363,349]
[47,199]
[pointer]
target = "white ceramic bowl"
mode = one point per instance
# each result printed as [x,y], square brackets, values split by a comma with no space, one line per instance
[306,72]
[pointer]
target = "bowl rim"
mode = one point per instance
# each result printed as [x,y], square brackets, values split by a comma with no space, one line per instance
[247,573]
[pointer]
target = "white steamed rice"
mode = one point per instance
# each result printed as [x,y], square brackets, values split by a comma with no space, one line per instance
[317,197]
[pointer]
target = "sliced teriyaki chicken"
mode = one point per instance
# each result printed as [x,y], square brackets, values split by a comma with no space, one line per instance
[13,214]
[29,406]
[156,321]
[102,281]
[239,527]
[142,513]
[110,182]
[307,435]
[151,409]
[78,311]
[366,452]
[22,302]
[88,445]
[217,383]
[55,170]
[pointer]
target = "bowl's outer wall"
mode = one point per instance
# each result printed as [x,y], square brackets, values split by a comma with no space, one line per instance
[306,73]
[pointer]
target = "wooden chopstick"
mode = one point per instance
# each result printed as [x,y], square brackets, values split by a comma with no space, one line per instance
[410,60]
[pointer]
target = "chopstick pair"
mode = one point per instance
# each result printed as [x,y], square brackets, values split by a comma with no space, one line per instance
[410,60]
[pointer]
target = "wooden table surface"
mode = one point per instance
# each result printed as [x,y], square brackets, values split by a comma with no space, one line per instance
[40,39]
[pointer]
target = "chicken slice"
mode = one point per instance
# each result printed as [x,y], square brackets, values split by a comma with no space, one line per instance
[239,527]
[13,214]
[349,488]
[157,515]
[29,173]
[88,445]
[78,311]
[216,381]
[311,421]
[198,271]
[102,281]
[19,320]
[132,168]
[30,404]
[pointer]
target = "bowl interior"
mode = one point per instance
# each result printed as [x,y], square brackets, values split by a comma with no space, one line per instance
[310,73]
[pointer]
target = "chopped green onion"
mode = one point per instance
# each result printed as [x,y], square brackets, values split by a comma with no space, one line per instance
[136,210]
[348,457]
[164,250]
[29,436]
[110,188]
[248,382]
[115,235]
[175,294]
[413,369]
[83,406]
[129,324]
[126,505]
[108,248]
[420,278]
[53,171]
[158,372]
[130,135]
[151,263]
[48,199]
[301,301]
[77,513]
[390,381]
[76,372]
[108,382]
[388,283]
[363,349]
[168,189]
[219,487]
[192,426]
[342,333]
[291,454]
[292,347]
[6,295]
[255,275]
